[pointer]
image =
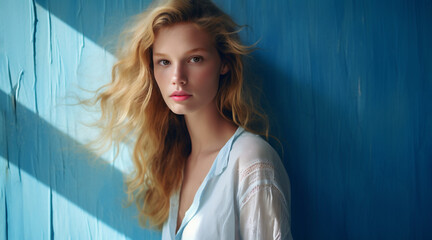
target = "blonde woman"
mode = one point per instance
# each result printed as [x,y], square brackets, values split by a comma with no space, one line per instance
[201,172]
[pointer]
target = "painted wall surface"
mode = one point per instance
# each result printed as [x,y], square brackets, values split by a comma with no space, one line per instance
[348,86]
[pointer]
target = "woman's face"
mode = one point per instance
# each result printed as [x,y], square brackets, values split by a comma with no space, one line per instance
[187,68]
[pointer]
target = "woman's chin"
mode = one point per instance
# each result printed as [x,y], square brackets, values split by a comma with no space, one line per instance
[179,110]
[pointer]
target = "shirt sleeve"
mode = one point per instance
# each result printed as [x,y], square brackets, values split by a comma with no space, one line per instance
[264,203]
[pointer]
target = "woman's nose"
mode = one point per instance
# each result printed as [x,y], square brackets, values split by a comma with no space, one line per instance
[179,76]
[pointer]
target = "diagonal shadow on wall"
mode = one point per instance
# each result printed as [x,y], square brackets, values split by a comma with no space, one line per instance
[99,21]
[61,163]
[54,158]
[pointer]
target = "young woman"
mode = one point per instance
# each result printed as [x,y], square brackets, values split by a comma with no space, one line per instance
[200,171]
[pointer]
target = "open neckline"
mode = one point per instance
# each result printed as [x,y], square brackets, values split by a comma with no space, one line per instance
[216,168]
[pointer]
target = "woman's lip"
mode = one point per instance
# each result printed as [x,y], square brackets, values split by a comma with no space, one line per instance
[179,93]
[179,98]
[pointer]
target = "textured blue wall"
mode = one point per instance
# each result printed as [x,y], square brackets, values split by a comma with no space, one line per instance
[348,85]
[50,187]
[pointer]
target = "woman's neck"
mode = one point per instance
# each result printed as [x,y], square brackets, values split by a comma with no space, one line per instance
[208,131]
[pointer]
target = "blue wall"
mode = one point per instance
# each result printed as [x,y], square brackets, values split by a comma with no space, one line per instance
[348,85]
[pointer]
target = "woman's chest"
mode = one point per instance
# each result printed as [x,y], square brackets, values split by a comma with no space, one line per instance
[194,175]
[216,212]
[187,195]
[212,211]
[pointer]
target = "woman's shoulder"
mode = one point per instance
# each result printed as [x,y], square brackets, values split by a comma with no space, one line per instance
[258,167]
[251,149]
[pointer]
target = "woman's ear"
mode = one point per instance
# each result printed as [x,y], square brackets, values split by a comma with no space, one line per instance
[224,69]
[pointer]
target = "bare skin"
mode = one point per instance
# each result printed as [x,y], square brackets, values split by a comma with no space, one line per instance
[209,132]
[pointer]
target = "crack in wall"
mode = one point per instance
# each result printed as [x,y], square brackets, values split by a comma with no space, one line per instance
[50,34]
[51,217]
[35,22]
[6,218]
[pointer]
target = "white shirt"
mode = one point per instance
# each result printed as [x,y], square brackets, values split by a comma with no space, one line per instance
[245,195]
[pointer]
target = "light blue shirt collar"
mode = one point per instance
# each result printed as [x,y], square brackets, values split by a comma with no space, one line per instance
[221,161]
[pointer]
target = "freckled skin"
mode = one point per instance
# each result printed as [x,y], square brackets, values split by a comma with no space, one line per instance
[185,59]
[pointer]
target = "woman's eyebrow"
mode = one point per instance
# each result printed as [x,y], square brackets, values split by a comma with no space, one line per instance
[197,50]
[159,54]
[200,49]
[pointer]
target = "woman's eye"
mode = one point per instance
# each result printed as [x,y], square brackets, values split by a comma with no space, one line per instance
[196,59]
[164,62]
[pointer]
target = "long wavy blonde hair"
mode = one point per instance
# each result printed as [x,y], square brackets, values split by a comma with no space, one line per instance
[132,105]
